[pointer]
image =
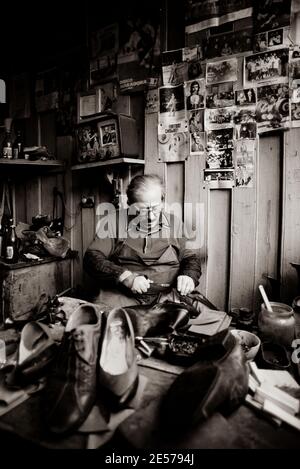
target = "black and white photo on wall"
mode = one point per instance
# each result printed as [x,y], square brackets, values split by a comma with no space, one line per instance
[270,66]
[219,146]
[197,143]
[194,94]
[196,120]
[244,154]
[219,118]
[173,147]
[172,116]
[220,95]
[269,40]
[245,97]
[221,71]
[272,109]
[219,179]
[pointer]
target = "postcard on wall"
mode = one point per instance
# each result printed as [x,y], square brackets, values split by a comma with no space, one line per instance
[172,114]
[219,148]
[196,69]
[245,130]
[245,97]
[152,102]
[220,95]
[228,44]
[191,54]
[295,114]
[295,90]
[244,155]
[172,57]
[272,109]
[271,14]
[271,67]
[175,74]
[196,120]
[294,65]
[197,143]
[173,147]
[272,39]
[219,179]
[221,71]
[194,94]
[219,118]
[245,122]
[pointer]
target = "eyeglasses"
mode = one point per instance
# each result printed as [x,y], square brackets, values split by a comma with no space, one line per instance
[143,209]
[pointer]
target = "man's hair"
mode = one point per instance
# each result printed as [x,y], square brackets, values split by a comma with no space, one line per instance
[140,184]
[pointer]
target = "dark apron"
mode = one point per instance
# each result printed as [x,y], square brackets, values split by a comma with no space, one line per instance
[160,264]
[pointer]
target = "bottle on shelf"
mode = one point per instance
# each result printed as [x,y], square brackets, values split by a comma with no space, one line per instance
[17,148]
[7,151]
[11,244]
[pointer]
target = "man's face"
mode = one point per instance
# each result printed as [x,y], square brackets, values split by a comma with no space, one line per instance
[149,206]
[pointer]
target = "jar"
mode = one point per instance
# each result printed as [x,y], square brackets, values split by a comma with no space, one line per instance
[278,326]
[245,320]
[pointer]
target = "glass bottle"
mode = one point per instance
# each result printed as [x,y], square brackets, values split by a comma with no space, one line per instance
[18,146]
[11,244]
[7,146]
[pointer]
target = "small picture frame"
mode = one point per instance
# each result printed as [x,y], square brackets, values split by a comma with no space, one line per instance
[87,104]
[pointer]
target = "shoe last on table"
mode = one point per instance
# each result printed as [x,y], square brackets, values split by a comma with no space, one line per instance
[206,387]
[72,385]
[118,372]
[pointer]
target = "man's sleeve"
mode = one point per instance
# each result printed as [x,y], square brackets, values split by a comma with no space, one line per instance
[96,261]
[190,263]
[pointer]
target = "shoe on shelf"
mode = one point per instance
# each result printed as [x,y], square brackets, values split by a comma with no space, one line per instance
[118,371]
[213,385]
[72,385]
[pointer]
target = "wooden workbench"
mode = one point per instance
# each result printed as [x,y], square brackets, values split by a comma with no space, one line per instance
[242,429]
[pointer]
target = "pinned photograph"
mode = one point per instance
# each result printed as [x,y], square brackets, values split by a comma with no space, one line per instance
[220,179]
[197,143]
[173,147]
[272,110]
[220,118]
[108,135]
[261,42]
[194,94]
[175,74]
[245,130]
[152,102]
[244,162]
[222,71]
[219,148]
[245,97]
[295,114]
[294,65]
[196,121]
[172,116]
[228,44]
[221,95]
[295,98]
[271,66]
[196,69]
[190,54]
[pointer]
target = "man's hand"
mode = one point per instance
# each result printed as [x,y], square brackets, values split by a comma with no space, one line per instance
[137,284]
[140,284]
[185,284]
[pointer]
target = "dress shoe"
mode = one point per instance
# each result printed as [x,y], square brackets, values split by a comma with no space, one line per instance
[72,385]
[219,382]
[118,372]
[35,354]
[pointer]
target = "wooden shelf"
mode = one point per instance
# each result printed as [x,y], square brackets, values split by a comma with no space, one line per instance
[111,162]
[28,163]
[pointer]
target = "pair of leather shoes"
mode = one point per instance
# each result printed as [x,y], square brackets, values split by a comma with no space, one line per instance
[218,381]
[97,352]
